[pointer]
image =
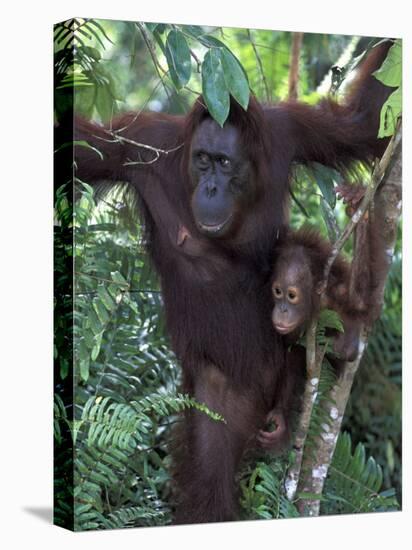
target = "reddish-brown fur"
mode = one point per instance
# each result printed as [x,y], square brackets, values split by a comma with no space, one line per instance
[304,253]
[317,250]
[218,303]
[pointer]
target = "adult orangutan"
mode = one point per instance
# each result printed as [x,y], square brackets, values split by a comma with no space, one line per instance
[214,201]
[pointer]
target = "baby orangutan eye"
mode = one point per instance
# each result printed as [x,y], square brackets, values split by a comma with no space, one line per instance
[292,296]
[277,292]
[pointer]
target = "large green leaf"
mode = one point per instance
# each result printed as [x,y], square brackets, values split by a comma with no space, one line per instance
[178,58]
[215,91]
[151,26]
[390,73]
[104,102]
[194,30]
[390,112]
[212,42]
[354,482]
[236,79]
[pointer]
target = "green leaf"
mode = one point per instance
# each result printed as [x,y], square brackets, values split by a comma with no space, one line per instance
[84,203]
[390,73]
[104,102]
[235,78]
[215,91]
[299,204]
[151,26]
[212,42]
[83,351]
[92,52]
[100,311]
[326,178]
[105,297]
[101,29]
[193,30]
[390,112]
[119,279]
[329,219]
[157,36]
[178,58]
[330,319]
[95,323]
[96,347]
[353,483]
[390,455]
[64,367]
[84,365]
[79,143]
[161,27]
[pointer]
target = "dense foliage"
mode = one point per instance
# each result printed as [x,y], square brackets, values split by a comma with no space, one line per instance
[112,444]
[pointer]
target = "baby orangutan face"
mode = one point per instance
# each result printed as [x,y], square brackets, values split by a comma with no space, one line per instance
[293,289]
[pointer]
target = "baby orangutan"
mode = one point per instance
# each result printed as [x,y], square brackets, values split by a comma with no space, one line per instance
[297,286]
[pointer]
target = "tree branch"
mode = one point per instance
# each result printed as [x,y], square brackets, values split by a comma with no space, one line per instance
[116,138]
[259,60]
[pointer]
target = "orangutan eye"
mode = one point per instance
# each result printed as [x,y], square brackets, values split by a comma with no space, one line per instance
[203,159]
[277,291]
[223,161]
[292,296]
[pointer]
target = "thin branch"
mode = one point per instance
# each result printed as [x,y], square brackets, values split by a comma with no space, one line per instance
[131,291]
[142,108]
[116,138]
[198,62]
[259,60]
[152,50]
[158,66]
[102,279]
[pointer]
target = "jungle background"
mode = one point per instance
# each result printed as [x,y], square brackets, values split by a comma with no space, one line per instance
[125,379]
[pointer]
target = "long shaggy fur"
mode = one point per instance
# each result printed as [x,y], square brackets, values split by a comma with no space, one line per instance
[218,304]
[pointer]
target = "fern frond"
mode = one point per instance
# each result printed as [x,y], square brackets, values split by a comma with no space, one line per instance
[125,425]
[134,516]
[263,495]
[328,319]
[354,483]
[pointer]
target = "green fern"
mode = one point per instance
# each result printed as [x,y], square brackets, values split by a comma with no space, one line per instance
[115,447]
[262,492]
[73,41]
[124,426]
[126,387]
[328,319]
[78,64]
[127,517]
[354,483]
